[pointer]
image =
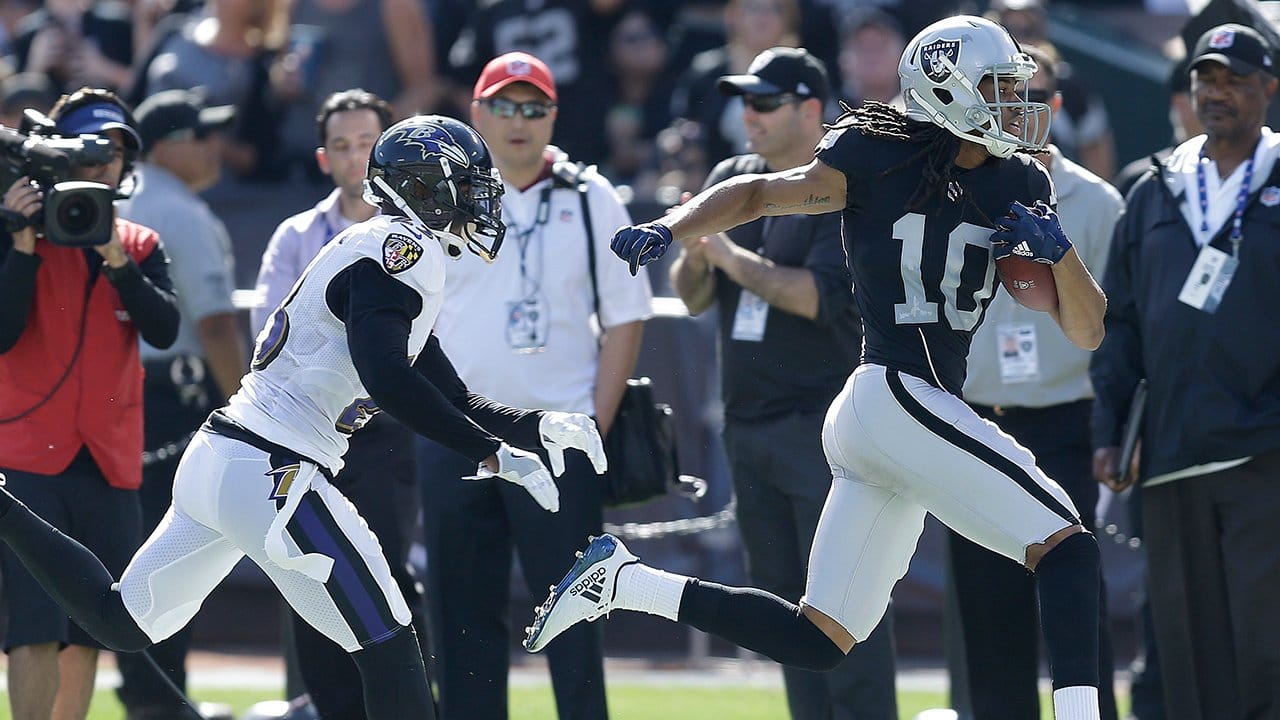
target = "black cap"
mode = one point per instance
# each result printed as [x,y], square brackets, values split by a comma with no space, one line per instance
[780,70]
[172,112]
[1239,47]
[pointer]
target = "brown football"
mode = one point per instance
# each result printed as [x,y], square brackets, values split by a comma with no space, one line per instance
[1029,282]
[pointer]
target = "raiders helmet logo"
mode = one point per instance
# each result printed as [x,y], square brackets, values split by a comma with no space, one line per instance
[399,253]
[938,59]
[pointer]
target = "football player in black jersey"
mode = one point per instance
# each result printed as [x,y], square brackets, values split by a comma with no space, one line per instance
[931,197]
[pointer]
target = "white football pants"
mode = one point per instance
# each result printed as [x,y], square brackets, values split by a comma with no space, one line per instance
[230,500]
[900,447]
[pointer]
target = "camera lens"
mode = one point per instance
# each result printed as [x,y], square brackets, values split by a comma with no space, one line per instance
[78,215]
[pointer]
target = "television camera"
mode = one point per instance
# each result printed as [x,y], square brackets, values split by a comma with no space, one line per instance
[76,213]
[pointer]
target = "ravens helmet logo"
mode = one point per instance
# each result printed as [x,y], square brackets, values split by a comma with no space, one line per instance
[433,142]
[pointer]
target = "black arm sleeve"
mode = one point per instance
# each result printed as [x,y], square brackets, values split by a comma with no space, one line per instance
[147,293]
[17,290]
[378,310]
[517,426]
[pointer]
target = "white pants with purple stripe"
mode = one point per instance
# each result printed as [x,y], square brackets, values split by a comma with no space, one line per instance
[900,448]
[226,497]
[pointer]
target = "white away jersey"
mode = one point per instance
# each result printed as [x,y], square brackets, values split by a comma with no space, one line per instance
[302,391]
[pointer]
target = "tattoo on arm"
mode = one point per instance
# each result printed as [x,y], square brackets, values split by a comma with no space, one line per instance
[811,201]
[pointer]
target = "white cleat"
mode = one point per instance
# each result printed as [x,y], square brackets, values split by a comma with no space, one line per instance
[586,593]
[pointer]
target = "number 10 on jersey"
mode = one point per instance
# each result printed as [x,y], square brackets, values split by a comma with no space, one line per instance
[917,309]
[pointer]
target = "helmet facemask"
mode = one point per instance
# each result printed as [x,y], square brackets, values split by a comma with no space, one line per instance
[463,208]
[1032,119]
[476,200]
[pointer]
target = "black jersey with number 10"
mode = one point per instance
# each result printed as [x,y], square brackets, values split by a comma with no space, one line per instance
[923,278]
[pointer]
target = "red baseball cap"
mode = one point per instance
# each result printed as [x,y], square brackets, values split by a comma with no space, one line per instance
[514,67]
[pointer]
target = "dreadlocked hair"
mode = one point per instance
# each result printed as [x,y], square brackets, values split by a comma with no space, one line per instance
[938,147]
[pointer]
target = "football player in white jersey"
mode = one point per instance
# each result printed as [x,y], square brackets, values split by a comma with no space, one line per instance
[352,338]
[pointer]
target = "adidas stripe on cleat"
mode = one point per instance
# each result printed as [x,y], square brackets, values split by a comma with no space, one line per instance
[586,593]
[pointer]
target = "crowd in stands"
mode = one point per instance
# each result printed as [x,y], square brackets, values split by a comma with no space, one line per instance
[638,90]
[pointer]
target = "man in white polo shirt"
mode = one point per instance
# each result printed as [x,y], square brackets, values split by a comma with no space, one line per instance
[522,331]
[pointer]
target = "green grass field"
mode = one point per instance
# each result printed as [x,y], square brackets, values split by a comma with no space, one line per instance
[626,702]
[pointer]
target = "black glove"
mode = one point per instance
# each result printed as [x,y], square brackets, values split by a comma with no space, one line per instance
[641,244]
[1030,233]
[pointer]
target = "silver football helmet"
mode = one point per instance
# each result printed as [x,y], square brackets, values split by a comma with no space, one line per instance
[941,68]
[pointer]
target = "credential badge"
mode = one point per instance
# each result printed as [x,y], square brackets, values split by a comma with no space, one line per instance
[938,59]
[399,253]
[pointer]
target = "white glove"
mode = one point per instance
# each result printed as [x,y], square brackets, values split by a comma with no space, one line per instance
[560,430]
[526,470]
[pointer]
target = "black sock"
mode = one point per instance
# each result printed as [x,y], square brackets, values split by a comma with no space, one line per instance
[73,576]
[1067,582]
[759,621]
[395,680]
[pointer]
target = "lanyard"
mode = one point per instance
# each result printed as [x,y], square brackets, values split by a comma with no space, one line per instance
[524,236]
[1242,199]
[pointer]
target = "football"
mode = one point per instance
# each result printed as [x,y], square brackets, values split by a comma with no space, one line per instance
[1029,282]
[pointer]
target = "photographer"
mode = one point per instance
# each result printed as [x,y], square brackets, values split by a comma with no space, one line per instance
[71,398]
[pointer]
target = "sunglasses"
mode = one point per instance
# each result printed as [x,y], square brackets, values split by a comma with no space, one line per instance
[770,103]
[504,108]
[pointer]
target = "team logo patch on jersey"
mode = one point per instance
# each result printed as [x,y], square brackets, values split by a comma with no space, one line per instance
[1270,196]
[938,59]
[399,253]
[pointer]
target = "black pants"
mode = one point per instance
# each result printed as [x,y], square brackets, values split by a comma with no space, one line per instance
[178,396]
[379,479]
[781,479]
[471,529]
[1214,582]
[79,502]
[996,598]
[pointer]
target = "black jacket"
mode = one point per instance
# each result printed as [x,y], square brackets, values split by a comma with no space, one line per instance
[1214,379]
